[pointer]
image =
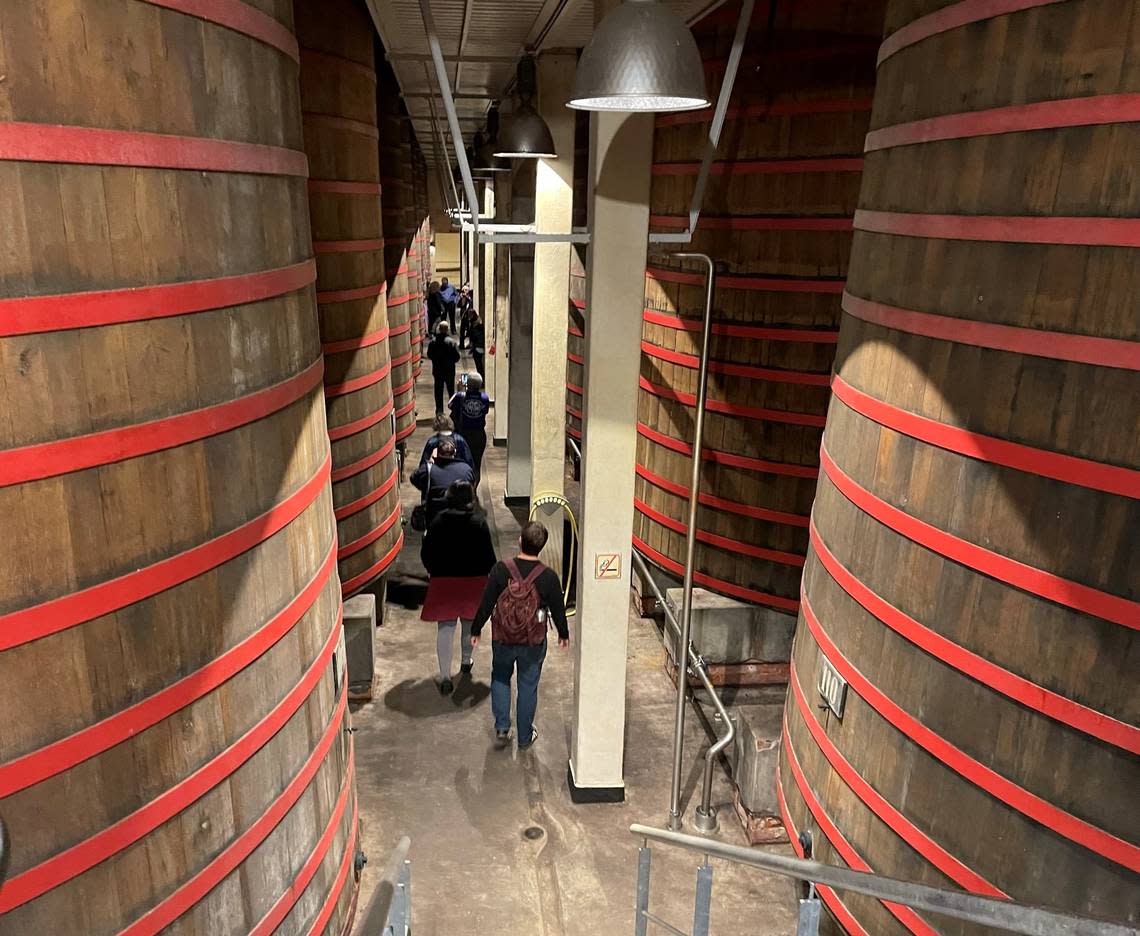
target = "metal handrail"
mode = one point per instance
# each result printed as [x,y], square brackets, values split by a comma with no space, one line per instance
[706,817]
[375,916]
[961,905]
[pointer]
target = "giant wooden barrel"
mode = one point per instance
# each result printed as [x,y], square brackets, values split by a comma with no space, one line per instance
[776,219]
[576,343]
[974,576]
[338,101]
[395,177]
[173,753]
[420,241]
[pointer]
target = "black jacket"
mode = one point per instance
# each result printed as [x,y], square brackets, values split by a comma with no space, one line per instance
[458,544]
[443,353]
[547,585]
[442,473]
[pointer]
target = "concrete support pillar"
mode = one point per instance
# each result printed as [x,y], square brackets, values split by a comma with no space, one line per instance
[502,315]
[553,214]
[485,298]
[621,154]
[522,318]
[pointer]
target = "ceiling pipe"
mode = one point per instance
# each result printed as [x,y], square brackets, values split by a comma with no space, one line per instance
[452,117]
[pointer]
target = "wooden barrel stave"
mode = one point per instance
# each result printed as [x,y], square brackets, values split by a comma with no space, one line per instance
[338,96]
[1010,582]
[236,430]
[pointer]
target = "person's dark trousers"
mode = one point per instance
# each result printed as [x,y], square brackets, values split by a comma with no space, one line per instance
[476,440]
[478,358]
[450,306]
[504,659]
[441,383]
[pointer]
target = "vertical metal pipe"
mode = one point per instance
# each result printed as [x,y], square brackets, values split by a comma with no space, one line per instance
[682,654]
[640,923]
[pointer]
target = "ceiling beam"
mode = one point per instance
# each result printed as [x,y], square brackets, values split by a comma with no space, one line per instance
[458,95]
[469,59]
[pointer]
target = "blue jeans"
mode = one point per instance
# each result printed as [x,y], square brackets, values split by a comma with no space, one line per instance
[504,659]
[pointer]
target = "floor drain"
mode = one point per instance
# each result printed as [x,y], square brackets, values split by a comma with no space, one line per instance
[533,833]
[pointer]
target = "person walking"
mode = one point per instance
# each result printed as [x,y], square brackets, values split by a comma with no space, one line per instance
[449,296]
[443,468]
[522,598]
[469,408]
[477,337]
[443,428]
[443,353]
[435,309]
[457,553]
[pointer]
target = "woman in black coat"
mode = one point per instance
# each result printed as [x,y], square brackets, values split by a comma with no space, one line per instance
[458,553]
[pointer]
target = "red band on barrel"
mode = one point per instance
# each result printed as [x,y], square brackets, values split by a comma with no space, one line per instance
[720,503]
[576,433]
[276,914]
[1019,575]
[732,330]
[61,755]
[720,542]
[241,18]
[333,897]
[60,312]
[576,413]
[347,246]
[332,122]
[1020,690]
[57,614]
[400,300]
[1018,118]
[575,331]
[911,920]
[1068,468]
[92,146]
[956,870]
[728,588]
[355,506]
[776,109]
[359,425]
[767,223]
[728,458]
[352,585]
[230,858]
[370,537]
[373,458]
[1059,346]
[73,861]
[818,284]
[340,187]
[776,375]
[827,895]
[575,358]
[1020,229]
[747,167]
[733,409]
[358,383]
[1017,797]
[950,17]
[48,459]
[407,430]
[354,344]
[574,388]
[402,329]
[347,295]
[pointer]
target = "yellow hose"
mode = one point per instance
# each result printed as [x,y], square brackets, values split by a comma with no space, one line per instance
[552,499]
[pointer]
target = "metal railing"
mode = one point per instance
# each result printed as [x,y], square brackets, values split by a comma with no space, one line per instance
[985,911]
[705,815]
[389,910]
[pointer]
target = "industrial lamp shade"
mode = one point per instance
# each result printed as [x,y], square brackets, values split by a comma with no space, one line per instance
[483,158]
[642,57]
[525,135]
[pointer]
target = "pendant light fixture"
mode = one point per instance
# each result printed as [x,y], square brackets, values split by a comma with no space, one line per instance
[642,57]
[525,134]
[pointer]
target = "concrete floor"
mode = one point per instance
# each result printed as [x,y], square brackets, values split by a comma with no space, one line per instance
[497,846]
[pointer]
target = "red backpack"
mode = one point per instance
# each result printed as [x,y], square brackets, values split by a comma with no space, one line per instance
[515,617]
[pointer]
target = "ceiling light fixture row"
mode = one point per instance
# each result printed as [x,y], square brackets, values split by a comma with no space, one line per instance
[642,57]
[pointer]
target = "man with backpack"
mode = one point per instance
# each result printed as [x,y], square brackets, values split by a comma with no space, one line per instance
[521,598]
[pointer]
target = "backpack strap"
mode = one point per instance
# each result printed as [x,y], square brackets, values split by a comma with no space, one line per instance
[513,570]
[538,569]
